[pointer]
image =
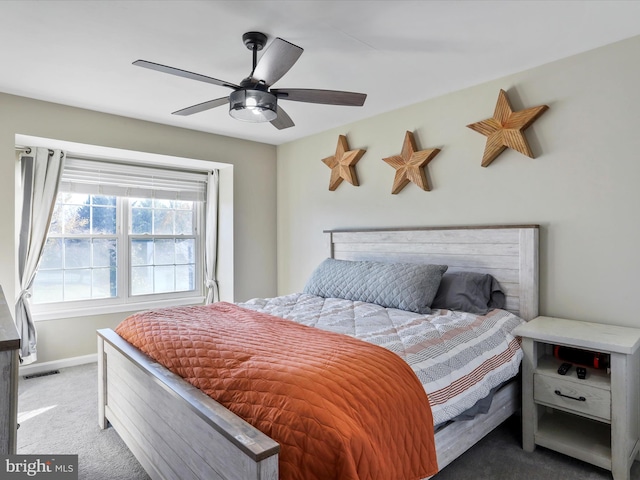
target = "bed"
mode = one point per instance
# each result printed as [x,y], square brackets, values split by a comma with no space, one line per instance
[176,431]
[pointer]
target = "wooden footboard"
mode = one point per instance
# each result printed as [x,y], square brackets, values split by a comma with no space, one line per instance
[174,430]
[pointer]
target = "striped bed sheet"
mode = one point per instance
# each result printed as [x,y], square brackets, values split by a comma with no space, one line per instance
[459,357]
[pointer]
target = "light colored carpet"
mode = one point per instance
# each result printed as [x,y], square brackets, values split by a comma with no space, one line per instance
[59,415]
[499,456]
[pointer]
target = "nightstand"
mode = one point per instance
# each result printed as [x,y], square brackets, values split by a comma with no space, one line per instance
[595,419]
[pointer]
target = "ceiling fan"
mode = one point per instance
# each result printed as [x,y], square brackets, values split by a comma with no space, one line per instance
[253,100]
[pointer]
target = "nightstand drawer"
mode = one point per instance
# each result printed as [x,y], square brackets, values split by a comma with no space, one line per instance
[573,397]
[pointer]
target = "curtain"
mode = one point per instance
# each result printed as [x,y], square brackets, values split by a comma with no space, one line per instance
[211,238]
[41,171]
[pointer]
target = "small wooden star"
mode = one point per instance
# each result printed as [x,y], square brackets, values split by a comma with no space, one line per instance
[409,165]
[342,164]
[506,129]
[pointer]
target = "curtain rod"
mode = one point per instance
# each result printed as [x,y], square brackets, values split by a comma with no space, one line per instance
[28,149]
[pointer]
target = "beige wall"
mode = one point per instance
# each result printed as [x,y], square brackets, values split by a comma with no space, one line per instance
[583,188]
[253,190]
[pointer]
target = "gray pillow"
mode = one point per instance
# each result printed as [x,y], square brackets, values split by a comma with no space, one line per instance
[469,292]
[406,286]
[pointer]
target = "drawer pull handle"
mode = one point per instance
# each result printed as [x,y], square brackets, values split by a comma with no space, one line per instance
[580,399]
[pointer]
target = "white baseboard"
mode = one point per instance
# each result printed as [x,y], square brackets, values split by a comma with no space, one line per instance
[56,364]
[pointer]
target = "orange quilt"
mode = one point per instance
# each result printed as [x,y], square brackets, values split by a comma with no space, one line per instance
[340,408]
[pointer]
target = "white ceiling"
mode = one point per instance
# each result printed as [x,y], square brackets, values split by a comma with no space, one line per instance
[79,52]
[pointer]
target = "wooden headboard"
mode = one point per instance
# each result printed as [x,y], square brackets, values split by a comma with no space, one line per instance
[509,253]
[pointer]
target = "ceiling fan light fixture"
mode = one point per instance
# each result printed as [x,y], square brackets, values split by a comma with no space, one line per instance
[253,106]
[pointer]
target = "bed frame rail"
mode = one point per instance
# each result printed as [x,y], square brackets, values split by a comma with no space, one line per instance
[146,403]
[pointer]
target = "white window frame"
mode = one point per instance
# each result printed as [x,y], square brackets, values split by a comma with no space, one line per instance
[198,226]
[125,302]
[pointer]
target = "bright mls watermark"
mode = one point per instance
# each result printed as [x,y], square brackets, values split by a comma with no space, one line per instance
[50,467]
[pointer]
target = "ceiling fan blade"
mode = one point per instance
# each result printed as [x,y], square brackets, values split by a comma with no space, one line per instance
[327,97]
[183,73]
[283,120]
[277,59]
[201,107]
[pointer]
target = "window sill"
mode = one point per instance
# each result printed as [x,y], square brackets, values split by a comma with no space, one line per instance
[44,313]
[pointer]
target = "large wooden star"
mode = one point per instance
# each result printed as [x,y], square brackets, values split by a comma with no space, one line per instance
[410,165]
[342,164]
[506,129]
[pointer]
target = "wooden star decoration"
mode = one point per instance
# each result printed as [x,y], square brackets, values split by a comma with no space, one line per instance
[410,165]
[342,164]
[506,129]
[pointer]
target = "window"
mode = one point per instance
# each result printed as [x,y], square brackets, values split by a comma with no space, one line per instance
[79,261]
[122,234]
[162,246]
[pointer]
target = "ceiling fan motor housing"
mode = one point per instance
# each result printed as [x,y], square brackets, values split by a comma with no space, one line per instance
[250,105]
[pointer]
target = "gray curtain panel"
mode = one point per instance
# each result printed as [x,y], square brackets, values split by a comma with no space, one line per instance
[211,238]
[41,172]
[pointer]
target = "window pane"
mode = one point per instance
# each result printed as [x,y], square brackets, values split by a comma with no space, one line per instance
[75,219]
[162,203]
[164,252]
[142,252]
[185,251]
[56,219]
[104,220]
[47,287]
[164,278]
[185,278]
[184,222]
[77,253]
[52,254]
[76,198]
[161,217]
[104,283]
[141,280]
[141,221]
[163,222]
[104,252]
[141,202]
[103,200]
[77,284]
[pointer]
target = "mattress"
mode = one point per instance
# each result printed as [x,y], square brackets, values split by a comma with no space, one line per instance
[458,357]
